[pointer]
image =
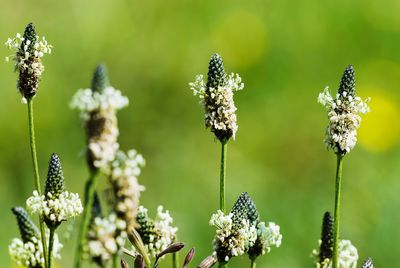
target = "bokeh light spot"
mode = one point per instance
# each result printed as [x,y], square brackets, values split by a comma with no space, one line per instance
[241,37]
[379,129]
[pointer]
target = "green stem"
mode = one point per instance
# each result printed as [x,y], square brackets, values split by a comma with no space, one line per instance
[51,242]
[338,187]
[175,261]
[84,227]
[222,176]
[32,141]
[115,261]
[222,264]
[253,263]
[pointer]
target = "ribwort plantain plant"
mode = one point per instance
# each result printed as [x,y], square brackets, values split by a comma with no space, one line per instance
[56,205]
[98,106]
[344,112]
[29,50]
[216,96]
[104,234]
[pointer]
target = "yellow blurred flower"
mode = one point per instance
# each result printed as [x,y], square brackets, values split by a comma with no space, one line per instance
[380,130]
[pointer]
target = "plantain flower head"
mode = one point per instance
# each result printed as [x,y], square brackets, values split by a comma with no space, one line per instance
[98,106]
[344,112]
[241,231]
[57,204]
[28,251]
[217,98]
[157,234]
[348,256]
[125,170]
[29,50]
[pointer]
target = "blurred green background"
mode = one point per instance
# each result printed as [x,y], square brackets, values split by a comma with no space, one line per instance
[286,52]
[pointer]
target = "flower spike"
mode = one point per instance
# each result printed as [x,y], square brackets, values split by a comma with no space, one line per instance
[100,79]
[216,72]
[344,114]
[29,50]
[216,96]
[326,246]
[55,183]
[27,228]
[348,83]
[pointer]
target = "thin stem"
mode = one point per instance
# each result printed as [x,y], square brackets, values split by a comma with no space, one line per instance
[32,141]
[51,242]
[175,261]
[253,263]
[338,187]
[115,260]
[84,227]
[222,177]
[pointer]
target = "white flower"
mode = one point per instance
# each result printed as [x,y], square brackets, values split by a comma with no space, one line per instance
[98,112]
[27,59]
[123,176]
[269,236]
[230,239]
[220,109]
[348,256]
[344,119]
[21,57]
[67,205]
[30,254]
[157,235]
[106,237]
[87,101]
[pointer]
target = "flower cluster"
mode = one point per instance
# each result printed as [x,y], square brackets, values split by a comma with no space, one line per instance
[106,237]
[267,236]
[217,98]
[344,114]
[241,231]
[156,234]
[56,210]
[57,204]
[29,50]
[28,251]
[231,239]
[98,107]
[123,177]
[347,258]
[30,254]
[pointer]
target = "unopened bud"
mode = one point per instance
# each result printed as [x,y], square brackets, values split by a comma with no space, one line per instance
[189,257]
[207,262]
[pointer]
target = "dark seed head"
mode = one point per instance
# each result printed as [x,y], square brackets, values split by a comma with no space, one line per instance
[100,78]
[29,34]
[216,72]
[55,179]
[27,228]
[244,208]
[326,246]
[348,83]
